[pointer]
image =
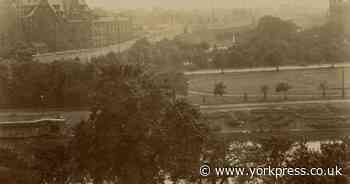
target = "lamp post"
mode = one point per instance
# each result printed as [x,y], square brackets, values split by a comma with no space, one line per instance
[343,83]
[118,35]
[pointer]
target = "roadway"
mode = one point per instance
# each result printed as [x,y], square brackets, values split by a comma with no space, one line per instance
[199,93]
[250,106]
[86,54]
[267,69]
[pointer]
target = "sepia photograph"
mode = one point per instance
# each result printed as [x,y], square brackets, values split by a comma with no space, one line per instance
[174,91]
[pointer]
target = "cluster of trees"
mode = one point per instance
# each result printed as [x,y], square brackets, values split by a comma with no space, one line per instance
[169,54]
[34,84]
[283,87]
[273,42]
[25,83]
[138,133]
[98,154]
[277,152]
[276,42]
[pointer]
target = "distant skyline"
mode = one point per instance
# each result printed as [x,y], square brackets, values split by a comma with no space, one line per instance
[204,4]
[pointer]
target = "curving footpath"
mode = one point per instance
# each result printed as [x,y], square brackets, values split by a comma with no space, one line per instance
[233,107]
[268,69]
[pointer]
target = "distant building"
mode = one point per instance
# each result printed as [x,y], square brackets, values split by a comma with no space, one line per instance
[111,30]
[54,25]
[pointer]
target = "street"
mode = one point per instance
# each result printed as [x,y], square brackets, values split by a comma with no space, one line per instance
[250,106]
[267,69]
[86,54]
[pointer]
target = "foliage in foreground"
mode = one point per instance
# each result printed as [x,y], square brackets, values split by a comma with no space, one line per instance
[136,133]
[63,83]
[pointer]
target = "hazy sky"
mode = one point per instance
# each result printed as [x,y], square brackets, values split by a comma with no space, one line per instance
[200,4]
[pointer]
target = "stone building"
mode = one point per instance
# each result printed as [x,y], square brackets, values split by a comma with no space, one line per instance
[56,25]
[111,30]
[41,27]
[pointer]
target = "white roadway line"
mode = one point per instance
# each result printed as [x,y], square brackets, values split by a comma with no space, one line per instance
[267,69]
[228,106]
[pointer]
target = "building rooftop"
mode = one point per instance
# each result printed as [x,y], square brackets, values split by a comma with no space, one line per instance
[111,19]
[105,19]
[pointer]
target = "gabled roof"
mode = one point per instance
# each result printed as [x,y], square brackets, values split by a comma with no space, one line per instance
[33,8]
[66,5]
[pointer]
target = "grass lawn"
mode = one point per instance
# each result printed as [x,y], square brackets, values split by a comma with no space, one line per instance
[305,85]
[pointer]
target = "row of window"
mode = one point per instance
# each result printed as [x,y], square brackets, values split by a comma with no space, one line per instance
[102,28]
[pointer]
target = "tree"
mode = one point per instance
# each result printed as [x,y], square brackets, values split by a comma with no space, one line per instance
[22,52]
[136,133]
[315,55]
[262,152]
[52,160]
[264,89]
[219,89]
[274,58]
[323,87]
[220,60]
[13,168]
[274,28]
[175,81]
[203,46]
[236,58]
[330,155]
[62,83]
[140,52]
[331,53]
[283,87]
[4,80]
[216,155]
[274,152]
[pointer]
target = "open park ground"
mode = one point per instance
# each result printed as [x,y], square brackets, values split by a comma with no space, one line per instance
[305,85]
